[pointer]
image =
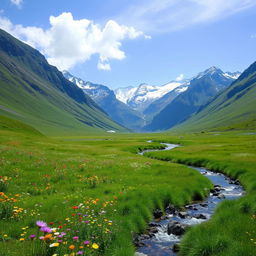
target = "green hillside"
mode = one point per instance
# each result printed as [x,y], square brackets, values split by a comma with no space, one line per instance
[8,124]
[37,94]
[235,108]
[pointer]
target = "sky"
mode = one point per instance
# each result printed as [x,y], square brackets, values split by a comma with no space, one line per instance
[122,43]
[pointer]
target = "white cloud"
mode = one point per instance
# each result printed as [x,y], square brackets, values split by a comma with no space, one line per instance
[68,41]
[103,66]
[171,15]
[180,77]
[17,2]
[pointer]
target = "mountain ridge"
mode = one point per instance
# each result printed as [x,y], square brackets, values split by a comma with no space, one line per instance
[106,99]
[41,96]
[202,88]
[233,108]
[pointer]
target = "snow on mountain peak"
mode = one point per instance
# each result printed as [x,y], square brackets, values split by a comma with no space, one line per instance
[143,95]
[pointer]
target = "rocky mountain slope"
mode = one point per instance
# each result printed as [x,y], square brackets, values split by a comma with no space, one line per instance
[106,99]
[201,89]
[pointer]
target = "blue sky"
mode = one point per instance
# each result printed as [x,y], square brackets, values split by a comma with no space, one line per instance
[127,42]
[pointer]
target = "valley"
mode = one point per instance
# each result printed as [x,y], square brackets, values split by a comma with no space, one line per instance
[101,169]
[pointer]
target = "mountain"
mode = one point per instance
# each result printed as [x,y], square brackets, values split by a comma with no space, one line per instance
[201,89]
[37,94]
[139,98]
[234,108]
[158,105]
[106,99]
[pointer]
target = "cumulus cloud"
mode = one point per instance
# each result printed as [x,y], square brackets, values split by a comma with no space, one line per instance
[180,77]
[156,16]
[17,2]
[68,41]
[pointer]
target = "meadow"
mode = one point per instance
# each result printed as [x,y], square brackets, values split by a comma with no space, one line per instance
[92,195]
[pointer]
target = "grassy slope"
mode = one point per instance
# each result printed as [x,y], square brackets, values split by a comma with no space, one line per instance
[235,108]
[53,175]
[36,93]
[231,231]
[8,124]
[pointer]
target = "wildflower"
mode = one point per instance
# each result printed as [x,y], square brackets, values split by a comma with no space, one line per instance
[79,253]
[22,239]
[48,236]
[95,246]
[75,238]
[41,224]
[54,245]
[32,237]
[86,242]
[46,229]
[71,247]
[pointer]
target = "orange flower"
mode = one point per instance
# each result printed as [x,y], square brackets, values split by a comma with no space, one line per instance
[71,247]
[48,236]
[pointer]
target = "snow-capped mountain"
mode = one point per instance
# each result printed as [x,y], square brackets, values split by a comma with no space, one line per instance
[125,93]
[217,71]
[139,98]
[233,75]
[202,88]
[106,99]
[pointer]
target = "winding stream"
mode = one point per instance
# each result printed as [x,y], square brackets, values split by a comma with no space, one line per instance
[160,243]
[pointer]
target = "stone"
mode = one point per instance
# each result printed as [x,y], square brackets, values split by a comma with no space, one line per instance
[170,209]
[200,216]
[157,213]
[183,215]
[153,224]
[176,228]
[139,254]
[176,248]
[221,196]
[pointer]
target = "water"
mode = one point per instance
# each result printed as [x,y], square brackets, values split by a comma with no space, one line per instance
[161,243]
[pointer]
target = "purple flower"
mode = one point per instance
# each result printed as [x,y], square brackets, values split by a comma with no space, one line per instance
[75,238]
[41,224]
[79,253]
[86,242]
[32,237]
[60,241]
[46,229]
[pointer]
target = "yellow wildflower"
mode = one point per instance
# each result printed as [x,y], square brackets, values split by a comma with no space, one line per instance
[54,245]
[95,246]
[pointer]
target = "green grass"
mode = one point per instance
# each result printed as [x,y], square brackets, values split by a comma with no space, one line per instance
[232,230]
[16,126]
[43,178]
[50,175]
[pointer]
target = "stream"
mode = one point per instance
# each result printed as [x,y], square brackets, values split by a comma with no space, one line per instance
[166,233]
